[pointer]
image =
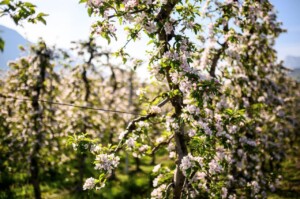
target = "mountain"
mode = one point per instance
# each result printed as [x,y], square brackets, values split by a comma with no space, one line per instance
[11,50]
[292,62]
[295,73]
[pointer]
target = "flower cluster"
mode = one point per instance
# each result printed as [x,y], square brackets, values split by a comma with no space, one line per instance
[89,184]
[188,162]
[106,162]
[158,192]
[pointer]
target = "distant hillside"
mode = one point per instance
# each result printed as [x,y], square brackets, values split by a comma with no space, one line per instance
[296,74]
[292,62]
[11,51]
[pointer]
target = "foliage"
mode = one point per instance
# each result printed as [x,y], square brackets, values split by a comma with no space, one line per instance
[20,11]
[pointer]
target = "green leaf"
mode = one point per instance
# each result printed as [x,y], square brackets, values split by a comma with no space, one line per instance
[22,48]
[42,20]
[179,8]
[150,42]
[1,44]
[82,1]
[30,5]
[101,176]
[5,2]
[106,36]
[41,14]
[90,11]
[16,19]
[120,20]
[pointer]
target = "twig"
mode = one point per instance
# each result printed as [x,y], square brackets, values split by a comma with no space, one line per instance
[162,143]
[132,125]
[122,14]
[167,190]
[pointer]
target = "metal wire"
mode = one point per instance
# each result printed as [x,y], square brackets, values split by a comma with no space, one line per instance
[71,105]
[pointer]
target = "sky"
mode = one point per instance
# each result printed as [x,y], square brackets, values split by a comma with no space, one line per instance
[68,21]
[288,44]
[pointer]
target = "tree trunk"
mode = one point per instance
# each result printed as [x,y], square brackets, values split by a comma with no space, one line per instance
[177,101]
[37,128]
[81,170]
[87,88]
[34,170]
[181,150]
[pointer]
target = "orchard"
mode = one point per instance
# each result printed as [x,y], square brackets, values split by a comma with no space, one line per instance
[219,117]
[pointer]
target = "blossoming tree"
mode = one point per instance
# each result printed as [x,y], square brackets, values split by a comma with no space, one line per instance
[217,60]
[30,124]
[96,82]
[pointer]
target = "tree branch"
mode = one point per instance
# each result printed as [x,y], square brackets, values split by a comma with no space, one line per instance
[162,143]
[132,125]
[216,58]
[124,13]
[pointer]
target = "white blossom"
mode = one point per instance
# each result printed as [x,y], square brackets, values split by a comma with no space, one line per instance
[172,155]
[158,192]
[150,27]
[186,163]
[224,192]
[171,146]
[168,28]
[106,162]
[155,109]
[89,184]
[192,133]
[156,168]
[130,142]
[156,180]
[122,134]
[95,3]
[199,176]
[130,3]
[256,187]
[214,167]
[143,148]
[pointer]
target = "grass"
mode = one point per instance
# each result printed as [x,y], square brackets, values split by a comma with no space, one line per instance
[290,184]
[138,182]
